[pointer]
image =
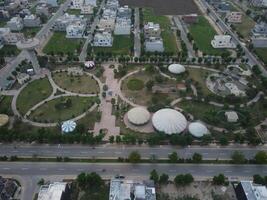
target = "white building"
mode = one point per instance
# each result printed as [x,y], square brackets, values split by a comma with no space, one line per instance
[234,17]
[54,191]
[258,3]
[75,30]
[79,4]
[122,27]
[90,2]
[15,24]
[87,9]
[9,38]
[247,190]
[154,44]
[152,30]
[52,3]
[107,23]
[23,78]
[62,22]
[103,40]
[42,9]
[31,21]
[222,41]
[259,42]
[231,116]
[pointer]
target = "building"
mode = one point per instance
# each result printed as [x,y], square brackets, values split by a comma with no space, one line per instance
[9,38]
[75,30]
[90,2]
[122,26]
[54,191]
[62,22]
[258,3]
[121,189]
[259,42]
[190,19]
[231,116]
[15,24]
[8,188]
[222,41]
[23,78]
[152,30]
[24,12]
[52,3]
[223,7]
[234,17]
[31,21]
[103,39]
[4,14]
[260,30]
[79,4]
[154,44]
[124,12]
[247,190]
[87,9]
[75,71]
[42,9]
[107,23]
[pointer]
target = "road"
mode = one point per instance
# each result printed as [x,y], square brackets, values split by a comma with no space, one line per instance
[115,151]
[225,28]
[137,39]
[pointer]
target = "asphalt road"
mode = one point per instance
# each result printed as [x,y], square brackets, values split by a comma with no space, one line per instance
[115,151]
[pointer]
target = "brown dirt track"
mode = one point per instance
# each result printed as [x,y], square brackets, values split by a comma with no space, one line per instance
[165,7]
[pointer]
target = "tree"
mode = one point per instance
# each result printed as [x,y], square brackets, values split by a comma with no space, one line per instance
[81,180]
[259,179]
[149,85]
[219,180]
[197,158]
[238,157]
[41,182]
[261,157]
[111,139]
[183,179]
[224,141]
[134,157]
[164,178]
[154,176]
[173,157]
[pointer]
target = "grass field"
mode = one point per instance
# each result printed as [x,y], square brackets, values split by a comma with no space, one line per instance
[51,113]
[5,105]
[79,84]
[122,44]
[167,35]
[262,53]
[245,27]
[34,92]
[135,84]
[59,44]
[203,33]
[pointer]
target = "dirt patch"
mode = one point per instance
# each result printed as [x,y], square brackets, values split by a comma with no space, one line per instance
[166,7]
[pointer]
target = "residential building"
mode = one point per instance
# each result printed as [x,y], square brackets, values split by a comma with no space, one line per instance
[24,12]
[121,189]
[52,3]
[8,188]
[154,44]
[259,42]
[90,2]
[9,38]
[223,7]
[87,9]
[122,26]
[76,4]
[31,21]
[15,24]
[4,14]
[152,30]
[107,23]
[103,39]
[54,191]
[258,3]
[75,30]
[62,22]
[75,71]
[124,12]
[23,78]
[247,190]
[190,19]
[231,116]
[79,4]
[234,17]
[42,9]
[222,41]
[260,30]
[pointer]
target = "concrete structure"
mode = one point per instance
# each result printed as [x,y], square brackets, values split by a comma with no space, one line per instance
[152,30]
[153,44]
[122,27]
[89,64]
[259,42]
[234,17]
[87,9]
[52,3]
[62,22]
[9,38]
[223,41]
[231,116]
[197,129]
[23,78]
[75,71]
[103,40]
[176,68]
[258,3]
[68,126]
[247,190]
[42,9]
[15,24]
[54,191]
[138,116]
[4,14]
[223,7]
[75,30]
[190,19]
[31,21]
[260,30]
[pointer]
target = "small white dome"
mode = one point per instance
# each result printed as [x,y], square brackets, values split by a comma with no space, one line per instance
[176,68]
[169,121]
[3,119]
[138,115]
[68,126]
[197,129]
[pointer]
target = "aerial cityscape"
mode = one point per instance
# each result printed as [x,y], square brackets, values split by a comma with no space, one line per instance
[133,99]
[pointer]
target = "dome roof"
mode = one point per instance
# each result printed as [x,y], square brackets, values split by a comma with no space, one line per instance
[138,115]
[68,126]
[176,68]
[169,121]
[3,119]
[197,129]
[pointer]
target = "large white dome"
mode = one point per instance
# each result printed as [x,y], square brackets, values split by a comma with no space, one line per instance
[68,126]
[138,115]
[169,121]
[197,129]
[176,68]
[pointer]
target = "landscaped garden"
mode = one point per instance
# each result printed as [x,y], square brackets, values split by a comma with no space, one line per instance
[9,50]
[33,93]
[62,108]
[79,84]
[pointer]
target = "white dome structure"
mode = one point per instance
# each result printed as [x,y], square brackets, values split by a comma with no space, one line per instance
[3,119]
[138,116]
[176,68]
[68,126]
[197,129]
[169,121]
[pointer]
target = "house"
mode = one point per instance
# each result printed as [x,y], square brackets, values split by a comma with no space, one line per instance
[223,7]
[42,9]
[75,30]
[107,23]
[103,39]
[258,3]
[23,78]
[79,4]
[87,9]
[31,21]
[259,42]
[122,26]
[124,12]
[76,4]
[54,191]
[15,24]
[190,19]
[260,30]
[9,38]
[152,30]
[90,2]
[154,44]
[4,14]
[234,17]
[8,188]
[52,3]
[24,12]
[247,190]
[231,116]
[222,41]
[62,22]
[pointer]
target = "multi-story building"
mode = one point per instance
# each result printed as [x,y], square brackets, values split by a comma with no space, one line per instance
[124,12]
[42,9]
[259,41]
[31,21]
[152,30]
[258,3]
[87,9]
[154,44]
[222,41]
[247,190]
[52,3]
[79,4]
[107,23]
[4,14]
[234,17]
[9,38]
[103,39]
[54,191]
[75,30]
[260,30]
[15,24]
[62,22]
[122,26]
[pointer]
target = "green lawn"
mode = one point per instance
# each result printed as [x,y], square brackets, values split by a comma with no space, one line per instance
[167,35]
[135,84]
[57,110]
[203,33]
[74,11]
[5,105]
[122,44]
[9,50]
[59,44]
[34,92]
[262,53]
[80,84]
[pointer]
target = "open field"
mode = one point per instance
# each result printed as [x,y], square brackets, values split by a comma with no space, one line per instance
[203,33]
[122,44]
[5,105]
[34,92]
[79,84]
[169,40]
[166,7]
[55,44]
[262,54]
[62,108]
